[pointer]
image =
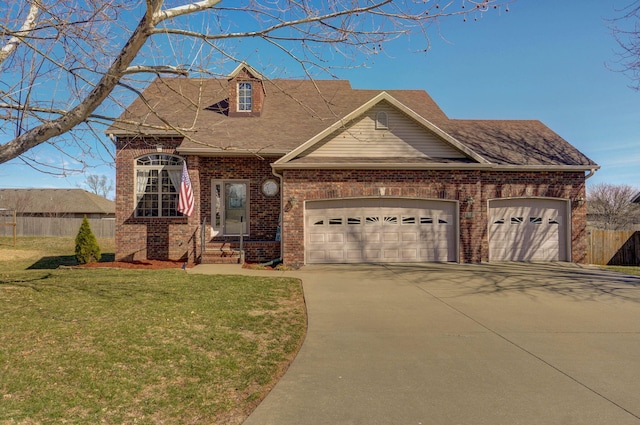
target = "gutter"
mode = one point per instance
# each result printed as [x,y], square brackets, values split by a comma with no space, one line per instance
[434,166]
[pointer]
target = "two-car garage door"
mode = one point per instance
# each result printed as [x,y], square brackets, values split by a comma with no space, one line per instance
[380,230]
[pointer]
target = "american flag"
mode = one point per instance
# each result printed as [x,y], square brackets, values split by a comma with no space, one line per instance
[185,199]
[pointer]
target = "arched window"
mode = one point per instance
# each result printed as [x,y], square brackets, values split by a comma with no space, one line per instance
[382,121]
[157,185]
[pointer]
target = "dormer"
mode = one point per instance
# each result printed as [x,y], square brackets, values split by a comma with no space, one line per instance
[246,92]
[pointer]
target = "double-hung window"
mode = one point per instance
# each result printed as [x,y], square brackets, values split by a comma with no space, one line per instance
[157,185]
[245,97]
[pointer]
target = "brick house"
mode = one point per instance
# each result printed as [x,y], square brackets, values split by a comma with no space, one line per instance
[320,172]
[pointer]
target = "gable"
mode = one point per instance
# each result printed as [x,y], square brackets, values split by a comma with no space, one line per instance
[407,138]
[403,137]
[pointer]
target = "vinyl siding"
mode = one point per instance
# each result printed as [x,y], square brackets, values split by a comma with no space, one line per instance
[403,138]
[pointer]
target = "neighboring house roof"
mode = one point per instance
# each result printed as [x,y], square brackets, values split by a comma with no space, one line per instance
[298,113]
[59,201]
[636,199]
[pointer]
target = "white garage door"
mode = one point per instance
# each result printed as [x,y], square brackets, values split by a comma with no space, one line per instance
[528,229]
[380,230]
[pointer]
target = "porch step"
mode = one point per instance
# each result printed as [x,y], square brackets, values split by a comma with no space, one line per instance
[220,253]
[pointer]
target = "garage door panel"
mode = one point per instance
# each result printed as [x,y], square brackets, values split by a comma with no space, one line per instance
[317,238]
[390,237]
[335,237]
[528,229]
[381,230]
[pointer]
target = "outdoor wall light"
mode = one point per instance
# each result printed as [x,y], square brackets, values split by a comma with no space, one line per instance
[469,200]
[290,203]
[579,200]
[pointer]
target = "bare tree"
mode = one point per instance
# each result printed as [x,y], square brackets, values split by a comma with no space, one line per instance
[610,206]
[100,185]
[67,68]
[626,30]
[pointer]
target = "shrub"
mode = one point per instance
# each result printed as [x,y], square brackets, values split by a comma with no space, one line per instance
[87,249]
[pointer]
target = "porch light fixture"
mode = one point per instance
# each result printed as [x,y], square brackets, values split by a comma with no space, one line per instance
[469,200]
[290,203]
[579,200]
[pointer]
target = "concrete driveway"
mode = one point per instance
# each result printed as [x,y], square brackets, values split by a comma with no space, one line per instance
[463,344]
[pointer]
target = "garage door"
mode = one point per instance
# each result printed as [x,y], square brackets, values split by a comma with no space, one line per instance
[528,229]
[380,230]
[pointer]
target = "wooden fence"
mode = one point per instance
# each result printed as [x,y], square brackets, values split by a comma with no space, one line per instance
[614,248]
[59,227]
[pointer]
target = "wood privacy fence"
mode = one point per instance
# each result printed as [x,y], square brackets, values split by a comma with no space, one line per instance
[59,226]
[613,247]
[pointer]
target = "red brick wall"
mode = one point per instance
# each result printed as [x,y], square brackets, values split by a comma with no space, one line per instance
[140,238]
[178,238]
[482,186]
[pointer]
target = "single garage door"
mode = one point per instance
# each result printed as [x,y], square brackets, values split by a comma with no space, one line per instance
[380,230]
[528,229]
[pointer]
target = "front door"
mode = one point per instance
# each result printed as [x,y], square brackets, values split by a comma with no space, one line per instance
[230,209]
[235,208]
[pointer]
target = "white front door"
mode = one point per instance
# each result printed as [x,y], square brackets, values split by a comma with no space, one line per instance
[230,207]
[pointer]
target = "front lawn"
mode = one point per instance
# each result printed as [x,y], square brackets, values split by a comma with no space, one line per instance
[120,346]
[634,270]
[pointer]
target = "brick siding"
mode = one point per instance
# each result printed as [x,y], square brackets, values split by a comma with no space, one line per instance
[301,185]
[178,238]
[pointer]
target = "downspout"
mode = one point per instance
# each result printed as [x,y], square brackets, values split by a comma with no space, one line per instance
[591,173]
[281,178]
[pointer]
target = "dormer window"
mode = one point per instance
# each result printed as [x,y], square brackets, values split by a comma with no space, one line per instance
[245,97]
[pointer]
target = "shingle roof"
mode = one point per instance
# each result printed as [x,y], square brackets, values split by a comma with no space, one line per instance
[297,110]
[59,201]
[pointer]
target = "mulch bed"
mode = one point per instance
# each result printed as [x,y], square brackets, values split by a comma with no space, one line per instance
[140,265]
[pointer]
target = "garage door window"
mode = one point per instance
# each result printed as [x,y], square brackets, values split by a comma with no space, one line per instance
[354,220]
[517,220]
[535,220]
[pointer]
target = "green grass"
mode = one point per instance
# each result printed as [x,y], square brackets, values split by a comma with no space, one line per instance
[634,270]
[112,346]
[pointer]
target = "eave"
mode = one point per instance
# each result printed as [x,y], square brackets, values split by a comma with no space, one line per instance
[433,166]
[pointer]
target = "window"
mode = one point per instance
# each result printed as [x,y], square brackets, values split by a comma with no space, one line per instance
[354,220]
[391,220]
[157,185]
[372,220]
[382,121]
[408,220]
[245,97]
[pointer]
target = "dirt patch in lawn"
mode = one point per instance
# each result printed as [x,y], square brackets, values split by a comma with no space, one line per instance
[13,255]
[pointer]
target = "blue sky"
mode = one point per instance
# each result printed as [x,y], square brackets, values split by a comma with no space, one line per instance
[548,60]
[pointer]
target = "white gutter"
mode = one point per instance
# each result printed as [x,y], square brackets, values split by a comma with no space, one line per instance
[431,166]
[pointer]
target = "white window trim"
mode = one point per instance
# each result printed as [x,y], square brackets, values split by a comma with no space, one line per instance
[174,169]
[239,90]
